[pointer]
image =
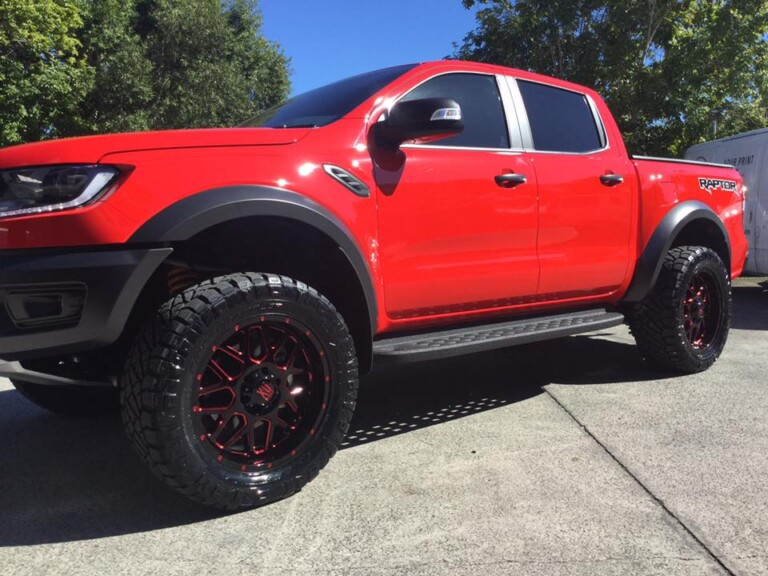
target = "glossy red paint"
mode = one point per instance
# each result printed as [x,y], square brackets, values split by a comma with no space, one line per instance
[666,184]
[463,245]
[441,240]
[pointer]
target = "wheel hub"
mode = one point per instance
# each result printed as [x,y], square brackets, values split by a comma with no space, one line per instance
[700,312]
[698,309]
[260,391]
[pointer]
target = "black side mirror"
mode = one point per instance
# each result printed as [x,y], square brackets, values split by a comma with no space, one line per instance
[422,120]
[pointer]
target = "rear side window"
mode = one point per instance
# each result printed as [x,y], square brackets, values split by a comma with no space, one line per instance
[481,108]
[561,120]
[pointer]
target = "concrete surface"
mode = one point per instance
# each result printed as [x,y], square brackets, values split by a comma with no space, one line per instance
[570,457]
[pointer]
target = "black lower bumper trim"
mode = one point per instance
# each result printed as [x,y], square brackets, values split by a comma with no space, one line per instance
[54,302]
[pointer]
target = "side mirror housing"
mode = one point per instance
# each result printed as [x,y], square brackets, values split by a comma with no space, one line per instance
[424,120]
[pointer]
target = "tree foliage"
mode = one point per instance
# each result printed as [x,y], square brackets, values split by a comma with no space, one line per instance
[42,70]
[94,66]
[669,69]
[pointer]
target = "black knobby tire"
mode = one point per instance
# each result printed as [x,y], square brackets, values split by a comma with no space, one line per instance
[683,323]
[241,389]
[67,400]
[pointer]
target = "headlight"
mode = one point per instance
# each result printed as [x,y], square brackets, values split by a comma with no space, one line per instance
[39,189]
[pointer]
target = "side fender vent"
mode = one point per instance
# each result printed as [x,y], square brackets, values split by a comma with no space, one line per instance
[350,182]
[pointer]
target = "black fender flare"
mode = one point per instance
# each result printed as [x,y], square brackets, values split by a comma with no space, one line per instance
[650,261]
[193,214]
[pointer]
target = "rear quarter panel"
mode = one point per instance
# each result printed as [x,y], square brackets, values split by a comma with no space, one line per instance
[665,184]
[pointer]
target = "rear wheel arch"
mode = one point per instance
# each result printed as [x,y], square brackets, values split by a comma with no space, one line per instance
[305,241]
[691,223]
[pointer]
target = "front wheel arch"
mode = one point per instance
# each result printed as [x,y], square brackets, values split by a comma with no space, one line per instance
[215,213]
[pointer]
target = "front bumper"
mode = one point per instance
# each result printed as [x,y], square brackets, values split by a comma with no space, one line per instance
[56,302]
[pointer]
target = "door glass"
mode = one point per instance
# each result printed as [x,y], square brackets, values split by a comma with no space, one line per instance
[481,108]
[561,120]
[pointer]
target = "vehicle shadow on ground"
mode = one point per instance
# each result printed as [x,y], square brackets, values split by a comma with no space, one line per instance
[397,399]
[750,307]
[76,479]
[65,480]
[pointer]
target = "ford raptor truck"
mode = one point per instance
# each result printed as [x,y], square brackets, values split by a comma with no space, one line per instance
[224,288]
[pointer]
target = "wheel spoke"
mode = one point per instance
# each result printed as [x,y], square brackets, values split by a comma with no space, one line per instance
[689,330]
[220,372]
[275,350]
[279,422]
[256,337]
[224,436]
[694,335]
[236,355]
[209,393]
[291,356]
[268,435]
[250,439]
[253,399]
[236,437]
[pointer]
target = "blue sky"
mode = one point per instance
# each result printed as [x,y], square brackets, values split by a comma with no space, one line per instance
[331,39]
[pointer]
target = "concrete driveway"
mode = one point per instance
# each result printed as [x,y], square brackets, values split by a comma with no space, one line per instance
[569,457]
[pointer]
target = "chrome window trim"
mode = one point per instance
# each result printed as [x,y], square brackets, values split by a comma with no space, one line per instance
[681,161]
[602,133]
[522,113]
[599,125]
[465,148]
[510,113]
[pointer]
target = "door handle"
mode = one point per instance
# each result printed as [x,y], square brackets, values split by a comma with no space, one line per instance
[510,180]
[611,179]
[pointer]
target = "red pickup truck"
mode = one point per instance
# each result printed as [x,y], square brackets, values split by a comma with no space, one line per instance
[225,287]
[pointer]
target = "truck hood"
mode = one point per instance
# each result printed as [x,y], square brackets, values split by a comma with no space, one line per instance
[90,149]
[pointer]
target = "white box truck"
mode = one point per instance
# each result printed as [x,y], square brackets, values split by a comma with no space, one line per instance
[748,153]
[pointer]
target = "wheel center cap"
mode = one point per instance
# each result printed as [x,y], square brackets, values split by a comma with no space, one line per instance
[259,392]
[698,310]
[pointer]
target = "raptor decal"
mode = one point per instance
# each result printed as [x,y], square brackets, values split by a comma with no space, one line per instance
[710,184]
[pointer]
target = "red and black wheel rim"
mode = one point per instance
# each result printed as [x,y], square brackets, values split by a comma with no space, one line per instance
[702,318]
[262,394]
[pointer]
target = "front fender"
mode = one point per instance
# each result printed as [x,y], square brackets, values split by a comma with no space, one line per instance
[193,214]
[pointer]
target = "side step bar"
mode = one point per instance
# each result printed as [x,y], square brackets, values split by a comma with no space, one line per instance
[459,341]
[17,371]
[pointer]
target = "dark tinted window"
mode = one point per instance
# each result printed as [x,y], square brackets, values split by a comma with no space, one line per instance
[481,109]
[561,121]
[324,105]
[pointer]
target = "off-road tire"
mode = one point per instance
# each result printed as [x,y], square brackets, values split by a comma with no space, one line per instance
[164,399]
[74,401]
[664,323]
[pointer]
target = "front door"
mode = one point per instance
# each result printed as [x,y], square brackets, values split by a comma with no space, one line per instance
[457,228]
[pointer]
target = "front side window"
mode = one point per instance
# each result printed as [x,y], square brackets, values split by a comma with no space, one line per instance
[561,120]
[481,108]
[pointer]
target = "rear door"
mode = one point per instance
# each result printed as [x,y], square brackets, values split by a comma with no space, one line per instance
[585,193]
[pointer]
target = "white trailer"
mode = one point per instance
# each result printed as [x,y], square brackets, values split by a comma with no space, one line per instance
[748,153]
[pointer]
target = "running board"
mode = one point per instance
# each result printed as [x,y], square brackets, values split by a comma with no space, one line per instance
[459,341]
[17,371]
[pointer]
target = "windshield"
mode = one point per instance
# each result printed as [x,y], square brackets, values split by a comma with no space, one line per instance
[323,105]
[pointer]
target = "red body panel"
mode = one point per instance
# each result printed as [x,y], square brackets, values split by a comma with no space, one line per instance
[666,184]
[465,244]
[441,240]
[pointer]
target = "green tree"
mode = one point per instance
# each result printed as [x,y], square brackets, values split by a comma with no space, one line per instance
[120,95]
[667,68]
[71,67]
[211,66]
[43,74]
